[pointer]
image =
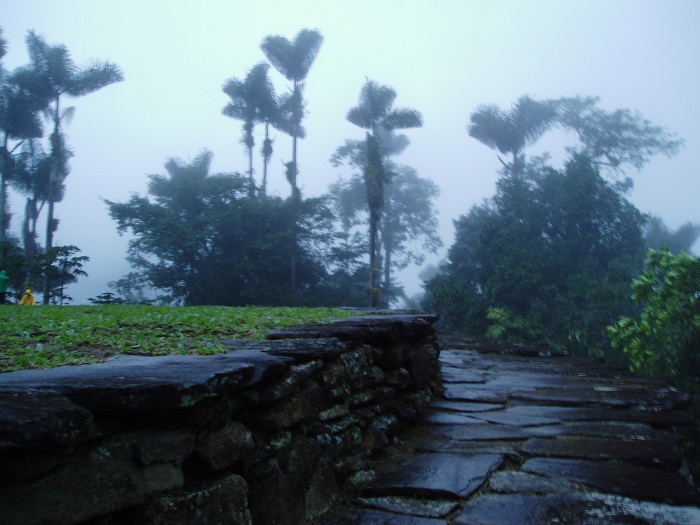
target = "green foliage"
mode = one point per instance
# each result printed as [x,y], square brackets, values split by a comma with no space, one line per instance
[106,298]
[664,339]
[551,253]
[511,327]
[201,239]
[49,336]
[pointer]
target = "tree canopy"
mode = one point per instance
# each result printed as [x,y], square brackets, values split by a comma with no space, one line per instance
[200,239]
[375,111]
[552,254]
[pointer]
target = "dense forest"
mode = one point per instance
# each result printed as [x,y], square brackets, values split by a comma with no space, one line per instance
[550,257]
[555,255]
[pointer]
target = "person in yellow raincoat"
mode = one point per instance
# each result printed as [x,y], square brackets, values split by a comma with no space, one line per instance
[28,297]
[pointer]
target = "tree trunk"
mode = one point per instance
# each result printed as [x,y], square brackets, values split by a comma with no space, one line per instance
[296,197]
[387,265]
[374,271]
[56,168]
[267,153]
[4,169]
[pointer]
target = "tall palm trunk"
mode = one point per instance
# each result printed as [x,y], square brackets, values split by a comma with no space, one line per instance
[4,171]
[267,155]
[374,178]
[374,270]
[296,195]
[54,179]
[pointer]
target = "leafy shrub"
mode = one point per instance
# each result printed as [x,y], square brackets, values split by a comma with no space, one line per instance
[665,338]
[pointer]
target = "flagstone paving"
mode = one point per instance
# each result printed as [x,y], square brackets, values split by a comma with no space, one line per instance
[524,435]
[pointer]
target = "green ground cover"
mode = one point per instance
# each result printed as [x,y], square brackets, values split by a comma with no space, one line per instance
[49,336]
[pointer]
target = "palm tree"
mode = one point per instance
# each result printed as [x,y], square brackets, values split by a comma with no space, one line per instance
[510,131]
[253,101]
[55,75]
[375,112]
[293,60]
[19,120]
[31,178]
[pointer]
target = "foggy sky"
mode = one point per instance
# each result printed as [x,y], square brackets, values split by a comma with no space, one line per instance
[443,57]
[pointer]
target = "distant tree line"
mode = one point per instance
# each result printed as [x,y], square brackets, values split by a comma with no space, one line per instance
[202,238]
[550,257]
[27,93]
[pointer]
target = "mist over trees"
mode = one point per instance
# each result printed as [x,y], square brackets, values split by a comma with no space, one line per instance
[201,238]
[26,93]
[551,256]
[375,111]
[548,257]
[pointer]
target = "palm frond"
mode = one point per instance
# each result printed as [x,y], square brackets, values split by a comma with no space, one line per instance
[3,45]
[293,59]
[490,125]
[277,49]
[306,47]
[360,116]
[531,118]
[403,118]
[377,98]
[93,77]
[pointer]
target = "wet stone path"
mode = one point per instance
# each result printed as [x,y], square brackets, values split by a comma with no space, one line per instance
[524,437]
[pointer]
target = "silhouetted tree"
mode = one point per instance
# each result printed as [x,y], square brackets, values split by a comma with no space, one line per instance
[375,111]
[20,119]
[200,239]
[252,101]
[54,74]
[614,140]
[293,60]
[548,258]
[659,236]
[511,131]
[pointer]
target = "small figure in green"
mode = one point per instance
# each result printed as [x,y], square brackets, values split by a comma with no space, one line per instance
[4,279]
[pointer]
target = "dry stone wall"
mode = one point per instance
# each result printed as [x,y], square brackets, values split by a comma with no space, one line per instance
[265,434]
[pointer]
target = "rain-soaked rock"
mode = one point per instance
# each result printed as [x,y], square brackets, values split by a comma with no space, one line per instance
[464,406]
[280,500]
[292,410]
[452,418]
[134,384]
[574,508]
[32,418]
[321,492]
[644,398]
[516,481]
[224,447]
[223,502]
[663,453]
[585,413]
[475,392]
[375,517]
[375,330]
[618,478]
[415,507]
[507,417]
[437,475]
[469,448]
[493,431]
[96,483]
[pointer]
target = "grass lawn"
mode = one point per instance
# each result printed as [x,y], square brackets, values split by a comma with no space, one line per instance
[49,336]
